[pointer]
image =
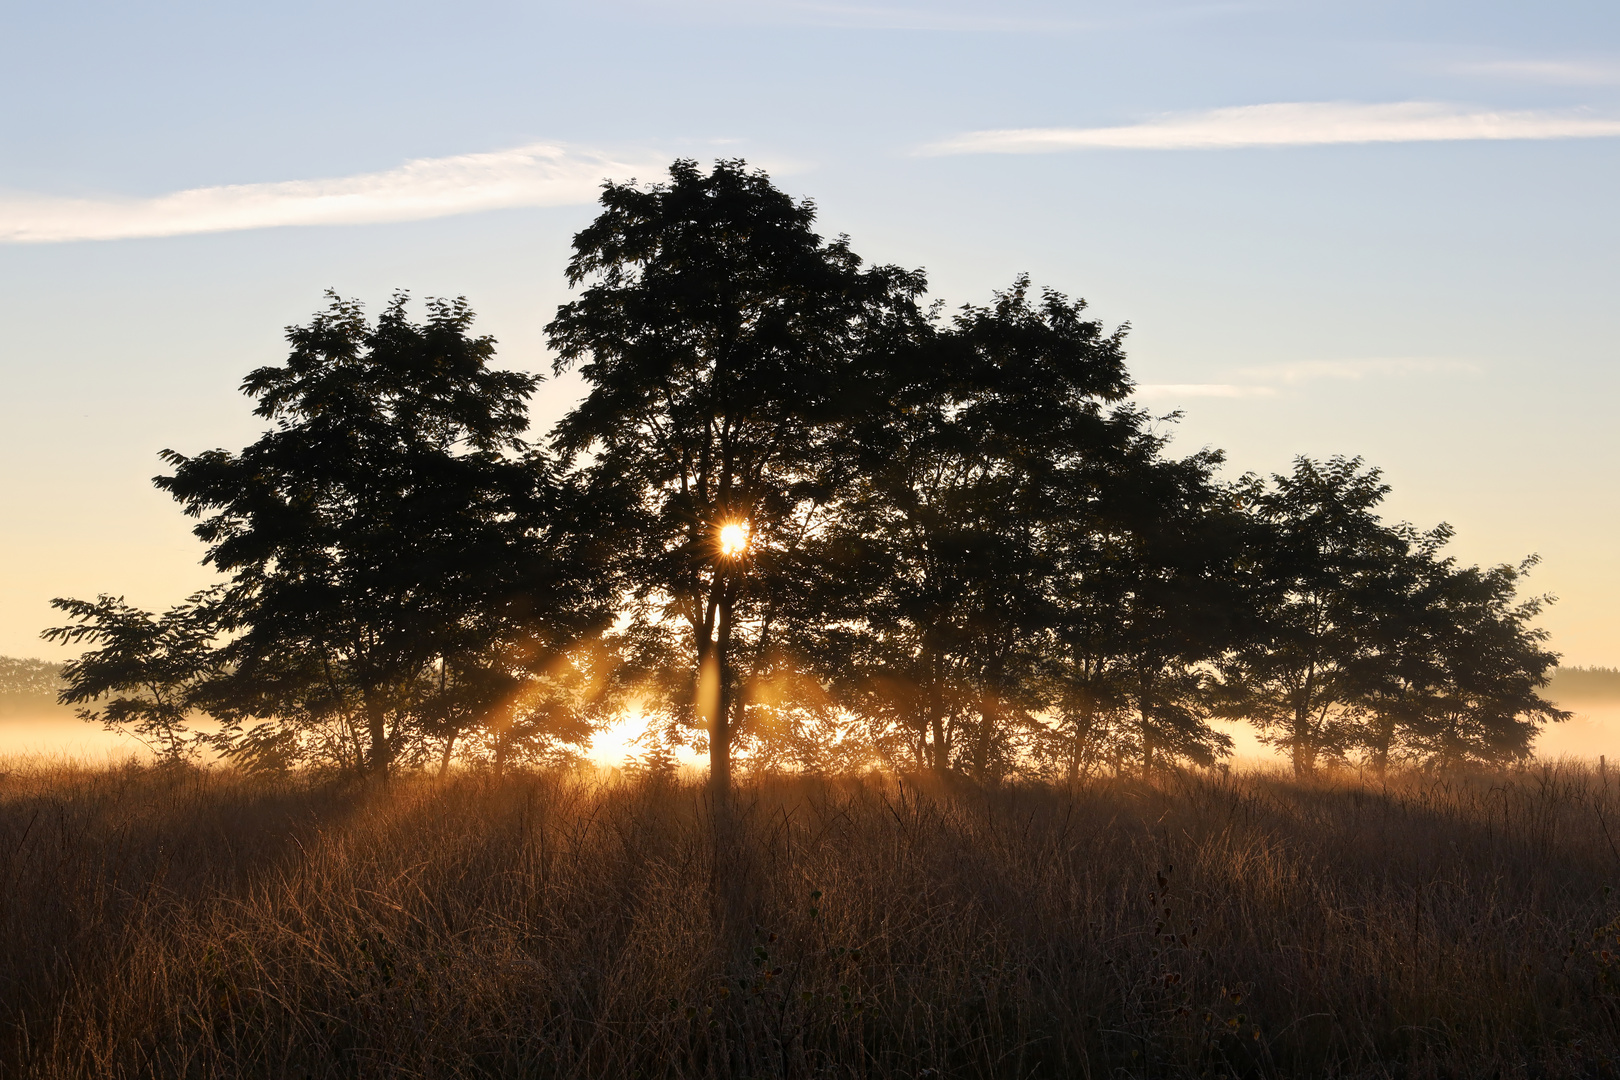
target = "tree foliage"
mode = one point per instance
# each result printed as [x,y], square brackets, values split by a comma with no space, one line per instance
[725,346]
[145,675]
[394,551]
[798,516]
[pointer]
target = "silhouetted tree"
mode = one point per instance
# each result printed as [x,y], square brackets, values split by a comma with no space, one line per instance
[1401,640]
[800,514]
[1372,640]
[958,507]
[1481,666]
[1154,586]
[145,674]
[391,524]
[722,342]
[1179,576]
[1328,560]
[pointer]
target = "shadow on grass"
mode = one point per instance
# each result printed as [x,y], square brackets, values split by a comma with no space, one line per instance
[203,924]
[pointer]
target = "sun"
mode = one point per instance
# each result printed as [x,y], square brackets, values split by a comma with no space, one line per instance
[734,538]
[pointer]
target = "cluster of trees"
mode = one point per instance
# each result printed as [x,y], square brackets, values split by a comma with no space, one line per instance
[801,518]
[29,686]
[1585,684]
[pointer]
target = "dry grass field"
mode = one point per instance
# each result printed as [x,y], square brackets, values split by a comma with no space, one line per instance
[202,924]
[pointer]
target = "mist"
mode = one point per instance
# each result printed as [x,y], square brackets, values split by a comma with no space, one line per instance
[32,726]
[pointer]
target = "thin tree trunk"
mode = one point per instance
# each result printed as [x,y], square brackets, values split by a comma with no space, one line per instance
[1143,708]
[1304,744]
[377,732]
[981,744]
[1383,739]
[717,694]
[1082,735]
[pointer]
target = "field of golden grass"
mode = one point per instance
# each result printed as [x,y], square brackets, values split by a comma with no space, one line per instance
[195,923]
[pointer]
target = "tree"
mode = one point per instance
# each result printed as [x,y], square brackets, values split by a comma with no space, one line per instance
[723,343]
[392,523]
[952,523]
[1374,641]
[1154,586]
[1403,630]
[1330,569]
[144,678]
[1463,683]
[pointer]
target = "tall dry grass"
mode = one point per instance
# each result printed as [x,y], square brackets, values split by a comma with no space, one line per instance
[172,923]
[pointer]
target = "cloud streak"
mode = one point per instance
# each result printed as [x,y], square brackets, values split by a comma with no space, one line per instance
[960,16]
[858,16]
[1394,367]
[536,175]
[1555,72]
[1175,391]
[1291,124]
[1268,381]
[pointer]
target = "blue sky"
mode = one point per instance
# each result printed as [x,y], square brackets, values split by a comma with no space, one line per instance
[1335,227]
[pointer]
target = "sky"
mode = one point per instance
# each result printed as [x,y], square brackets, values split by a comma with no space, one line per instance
[1358,227]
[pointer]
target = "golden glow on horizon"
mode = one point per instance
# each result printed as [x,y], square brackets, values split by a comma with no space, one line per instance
[733,538]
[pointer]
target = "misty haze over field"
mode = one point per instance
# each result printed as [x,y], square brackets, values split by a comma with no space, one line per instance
[31,724]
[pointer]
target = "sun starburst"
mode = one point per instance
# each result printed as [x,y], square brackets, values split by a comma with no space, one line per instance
[733,538]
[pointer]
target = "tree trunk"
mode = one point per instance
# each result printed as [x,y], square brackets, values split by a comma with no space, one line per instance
[1082,735]
[981,744]
[1304,748]
[941,755]
[1383,739]
[715,696]
[444,759]
[377,732]
[1144,709]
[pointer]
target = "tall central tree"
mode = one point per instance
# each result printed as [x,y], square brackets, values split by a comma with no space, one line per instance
[725,344]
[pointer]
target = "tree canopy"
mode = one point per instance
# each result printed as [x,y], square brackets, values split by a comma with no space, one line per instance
[801,517]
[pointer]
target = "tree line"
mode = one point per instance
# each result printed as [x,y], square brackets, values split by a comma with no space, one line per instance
[29,686]
[802,518]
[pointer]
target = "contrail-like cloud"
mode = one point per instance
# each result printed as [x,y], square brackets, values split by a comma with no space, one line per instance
[536,175]
[1290,124]
[1160,391]
[1387,367]
[1266,380]
[1557,72]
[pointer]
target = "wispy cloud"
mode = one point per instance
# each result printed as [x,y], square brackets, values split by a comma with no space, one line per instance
[951,16]
[1557,72]
[1386,367]
[873,17]
[1173,391]
[1270,380]
[536,175]
[1291,124]
[958,17]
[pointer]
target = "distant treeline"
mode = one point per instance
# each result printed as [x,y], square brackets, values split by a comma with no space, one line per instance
[29,686]
[1585,684]
[802,515]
